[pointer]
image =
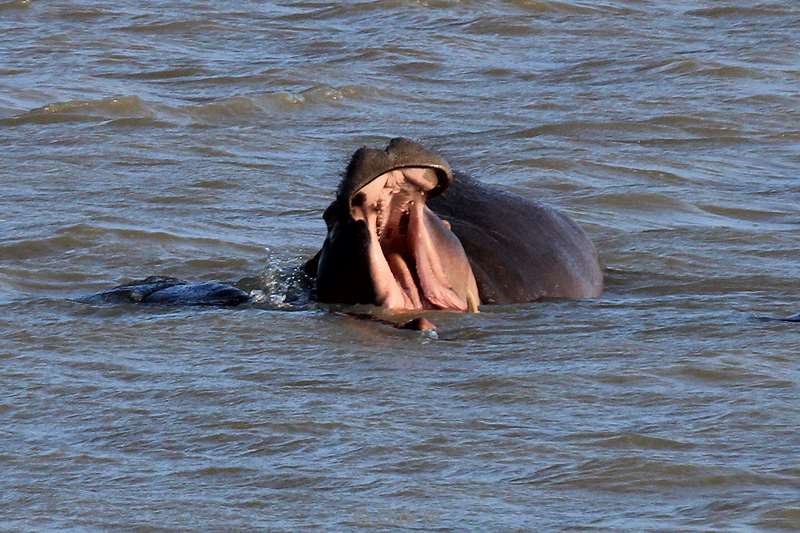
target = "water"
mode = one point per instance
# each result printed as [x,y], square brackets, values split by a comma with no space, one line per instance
[203,140]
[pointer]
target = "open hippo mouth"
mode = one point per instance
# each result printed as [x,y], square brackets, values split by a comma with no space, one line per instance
[415,261]
[384,245]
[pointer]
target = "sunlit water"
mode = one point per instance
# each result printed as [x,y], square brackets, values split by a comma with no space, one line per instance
[203,142]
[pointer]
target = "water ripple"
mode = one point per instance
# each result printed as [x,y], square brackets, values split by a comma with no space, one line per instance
[205,140]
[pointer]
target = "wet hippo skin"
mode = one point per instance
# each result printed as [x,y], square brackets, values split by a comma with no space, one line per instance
[390,239]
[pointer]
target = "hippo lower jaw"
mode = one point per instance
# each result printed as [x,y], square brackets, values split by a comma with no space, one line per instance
[415,261]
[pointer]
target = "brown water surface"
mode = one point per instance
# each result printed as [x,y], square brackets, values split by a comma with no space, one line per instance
[204,139]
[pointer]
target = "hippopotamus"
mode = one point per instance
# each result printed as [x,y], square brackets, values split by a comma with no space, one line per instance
[164,290]
[407,233]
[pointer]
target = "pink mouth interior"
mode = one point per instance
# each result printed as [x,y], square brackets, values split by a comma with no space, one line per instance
[405,265]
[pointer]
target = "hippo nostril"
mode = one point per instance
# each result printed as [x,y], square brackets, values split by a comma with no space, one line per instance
[358,199]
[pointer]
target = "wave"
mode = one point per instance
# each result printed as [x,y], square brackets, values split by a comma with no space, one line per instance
[713,69]
[627,440]
[163,74]
[133,111]
[633,130]
[84,111]
[15,4]
[247,108]
[578,8]
[179,26]
[665,130]
[634,474]
[737,12]
[84,236]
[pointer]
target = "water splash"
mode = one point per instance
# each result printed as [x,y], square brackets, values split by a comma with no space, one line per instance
[282,284]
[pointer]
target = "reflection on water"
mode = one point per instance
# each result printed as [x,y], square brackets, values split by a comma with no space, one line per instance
[203,142]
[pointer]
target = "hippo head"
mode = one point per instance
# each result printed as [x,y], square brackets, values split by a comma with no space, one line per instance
[384,246]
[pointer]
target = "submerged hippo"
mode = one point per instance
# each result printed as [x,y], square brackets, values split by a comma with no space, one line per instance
[406,233]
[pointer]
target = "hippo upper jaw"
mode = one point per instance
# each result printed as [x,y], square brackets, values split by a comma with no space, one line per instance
[414,260]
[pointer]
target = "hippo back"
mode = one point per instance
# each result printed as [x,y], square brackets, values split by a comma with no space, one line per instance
[519,250]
